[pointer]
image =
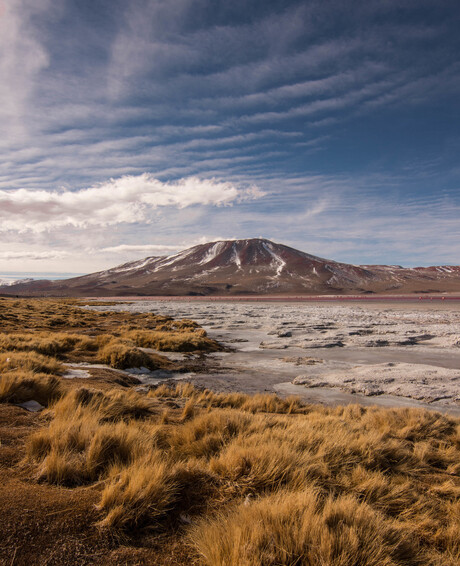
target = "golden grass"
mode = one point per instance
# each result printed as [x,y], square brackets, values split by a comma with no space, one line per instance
[29,362]
[139,494]
[46,343]
[91,431]
[37,334]
[26,386]
[261,402]
[173,340]
[118,354]
[58,316]
[304,528]
[113,405]
[344,486]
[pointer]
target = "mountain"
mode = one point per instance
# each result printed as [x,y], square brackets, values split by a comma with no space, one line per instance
[246,267]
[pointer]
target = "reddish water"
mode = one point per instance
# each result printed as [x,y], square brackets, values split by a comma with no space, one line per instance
[289,298]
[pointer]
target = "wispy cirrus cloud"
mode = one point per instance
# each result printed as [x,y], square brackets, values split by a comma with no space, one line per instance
[22,58]
[108,112]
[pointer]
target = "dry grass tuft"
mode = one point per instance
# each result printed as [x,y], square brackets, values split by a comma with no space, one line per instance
[304,528]
[120,355]
[94,431]
[138,495]
[173,340]
[29,362]
[189,410]
[111,406]
[46,343]
[21,387]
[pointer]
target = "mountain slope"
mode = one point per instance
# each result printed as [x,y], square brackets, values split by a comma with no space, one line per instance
[241,267]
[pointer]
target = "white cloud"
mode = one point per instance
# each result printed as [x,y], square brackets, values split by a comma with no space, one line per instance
[124,200]
[146,248]
[33,255]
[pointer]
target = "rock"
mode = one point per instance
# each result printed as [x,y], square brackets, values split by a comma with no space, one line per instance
[284,334]
[361,332]
[377,343]
[302,380]
[272,346]
[32,406]
[371,390]
[334,344]
[411,341]
[309,381]
[303,361]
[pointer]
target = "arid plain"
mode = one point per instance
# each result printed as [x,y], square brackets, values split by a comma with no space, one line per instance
[130,434]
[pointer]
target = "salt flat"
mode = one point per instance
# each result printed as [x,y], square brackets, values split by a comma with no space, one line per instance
[392,354]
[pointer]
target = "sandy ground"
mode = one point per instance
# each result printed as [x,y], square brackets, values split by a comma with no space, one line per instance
[391,354]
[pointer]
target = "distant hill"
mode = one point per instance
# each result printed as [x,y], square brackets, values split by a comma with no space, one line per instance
[245,267]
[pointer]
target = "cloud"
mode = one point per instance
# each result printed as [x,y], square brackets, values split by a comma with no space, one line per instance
[127,199]
[34,255]
[22,57]
[300,98]
[143,248]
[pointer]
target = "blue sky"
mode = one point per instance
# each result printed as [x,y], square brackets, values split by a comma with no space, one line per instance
[140,128]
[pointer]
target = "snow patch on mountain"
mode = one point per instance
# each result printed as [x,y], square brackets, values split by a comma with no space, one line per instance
[279,263]
[212,253]
[170,259]
[236,258]
[9,282]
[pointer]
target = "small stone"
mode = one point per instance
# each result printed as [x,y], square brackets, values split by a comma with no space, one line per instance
[32,406]
[284,334]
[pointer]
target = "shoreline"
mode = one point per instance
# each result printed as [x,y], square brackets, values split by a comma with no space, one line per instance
[280,298]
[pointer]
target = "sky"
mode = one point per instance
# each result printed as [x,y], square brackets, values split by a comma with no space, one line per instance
[140,128]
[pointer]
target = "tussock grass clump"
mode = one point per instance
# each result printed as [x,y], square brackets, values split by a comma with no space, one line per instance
[30,362]
[182,325]
[173,340]
[256,467]
[46,343]
[184,390]
[28,386]
[120,355]
[205,435]
[113,406]
[138,495]
[304,528]
[189,410]
[82,451]
[91,431]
